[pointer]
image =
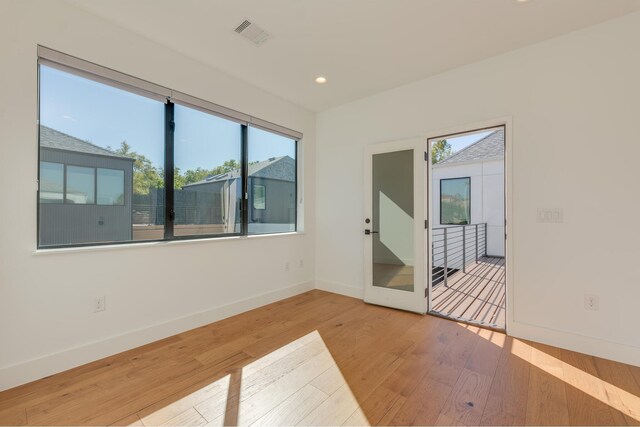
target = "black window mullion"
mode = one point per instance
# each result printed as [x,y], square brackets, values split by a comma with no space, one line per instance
[169,212]
[244,167]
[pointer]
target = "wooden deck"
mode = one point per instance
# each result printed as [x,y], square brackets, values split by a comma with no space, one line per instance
[477,295]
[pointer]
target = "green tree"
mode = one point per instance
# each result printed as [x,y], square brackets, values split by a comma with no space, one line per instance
[194,175]
[440,150]
[145,175]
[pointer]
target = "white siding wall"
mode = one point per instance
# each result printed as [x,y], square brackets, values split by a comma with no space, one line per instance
[487,197]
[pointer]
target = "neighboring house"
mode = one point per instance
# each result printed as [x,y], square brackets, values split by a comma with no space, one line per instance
[272,194]
[472,185]
[85,191]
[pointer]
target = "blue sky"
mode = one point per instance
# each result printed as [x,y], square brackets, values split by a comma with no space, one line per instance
[106,116]
[460,142]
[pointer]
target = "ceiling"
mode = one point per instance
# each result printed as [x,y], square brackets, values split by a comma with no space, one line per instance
[361,46]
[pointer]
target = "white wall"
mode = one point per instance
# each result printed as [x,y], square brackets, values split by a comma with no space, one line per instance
[574,103]
[487,197]
[152,291]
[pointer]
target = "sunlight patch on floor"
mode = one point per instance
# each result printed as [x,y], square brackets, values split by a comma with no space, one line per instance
[605,392]
[297,384]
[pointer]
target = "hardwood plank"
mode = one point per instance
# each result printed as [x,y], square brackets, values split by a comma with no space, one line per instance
[507,402]
[586,396]
[423,406]
[130,420]
[13,416]
[621,388]
[335,410]
[329,381]
[190,417]
[547,401]
[294,408]
[379,403]
[467,399]
[358,418]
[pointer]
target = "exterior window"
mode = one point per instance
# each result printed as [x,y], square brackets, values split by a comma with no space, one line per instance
[455,201]
[207,178]
[81,185]
[51,182]
[110,187]
[125,160]
[259,197]
[272,166]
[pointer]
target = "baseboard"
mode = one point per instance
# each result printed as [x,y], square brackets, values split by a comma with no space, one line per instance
[15,375]
[588,345]
[340,288]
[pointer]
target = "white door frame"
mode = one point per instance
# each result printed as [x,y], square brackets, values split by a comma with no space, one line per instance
[508,201]
[404,300]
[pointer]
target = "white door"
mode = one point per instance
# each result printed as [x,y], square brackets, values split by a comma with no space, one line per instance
[394,225]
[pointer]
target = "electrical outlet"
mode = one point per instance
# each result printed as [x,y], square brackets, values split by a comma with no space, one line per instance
[99,304]
[301,263]
[287,266]
[591,302]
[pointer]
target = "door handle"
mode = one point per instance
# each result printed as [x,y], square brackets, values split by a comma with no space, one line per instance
[368,231]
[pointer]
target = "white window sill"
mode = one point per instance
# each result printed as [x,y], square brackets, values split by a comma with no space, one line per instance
[128,245]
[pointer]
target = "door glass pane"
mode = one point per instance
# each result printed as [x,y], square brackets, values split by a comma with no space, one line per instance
[207,177]
[393,220]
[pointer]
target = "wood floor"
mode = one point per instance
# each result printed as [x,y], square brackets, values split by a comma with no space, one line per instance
[477,295]
[324,359]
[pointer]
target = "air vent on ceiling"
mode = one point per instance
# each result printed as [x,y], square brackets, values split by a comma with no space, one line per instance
[252,32]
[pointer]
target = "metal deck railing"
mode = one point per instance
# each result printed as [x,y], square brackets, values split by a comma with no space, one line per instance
[454,247]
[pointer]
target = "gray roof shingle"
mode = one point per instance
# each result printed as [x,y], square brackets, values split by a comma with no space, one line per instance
[489,147]
[51,138]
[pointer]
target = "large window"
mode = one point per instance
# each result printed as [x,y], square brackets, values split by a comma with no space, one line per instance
[455,201]
[125,160]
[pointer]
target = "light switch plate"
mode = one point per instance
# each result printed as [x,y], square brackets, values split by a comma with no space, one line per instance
[550,215]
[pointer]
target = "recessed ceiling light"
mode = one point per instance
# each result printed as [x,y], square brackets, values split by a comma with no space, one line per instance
[321,80]
[522,1]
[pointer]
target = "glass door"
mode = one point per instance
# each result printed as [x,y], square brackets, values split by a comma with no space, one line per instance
[393,229]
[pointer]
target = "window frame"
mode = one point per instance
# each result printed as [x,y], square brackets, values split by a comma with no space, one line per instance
[468,178]
[170,98]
